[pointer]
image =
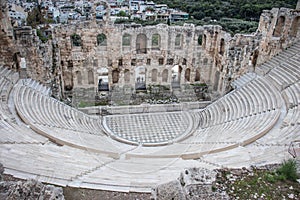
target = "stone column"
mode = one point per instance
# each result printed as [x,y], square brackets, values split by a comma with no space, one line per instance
[298,5]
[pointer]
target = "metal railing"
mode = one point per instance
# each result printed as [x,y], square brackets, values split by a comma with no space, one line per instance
[294,148]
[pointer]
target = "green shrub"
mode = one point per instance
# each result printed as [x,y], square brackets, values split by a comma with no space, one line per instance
[288,170]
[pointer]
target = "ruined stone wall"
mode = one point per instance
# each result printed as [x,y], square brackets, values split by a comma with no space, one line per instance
[278,29]
[122,61]
[22,42]
[38,55]
[203,54]
[7,48]
[132,56]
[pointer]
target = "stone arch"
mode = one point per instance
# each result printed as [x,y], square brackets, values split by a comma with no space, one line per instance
[103,79]
[126,40]
[178,40]
[91,77]
[216,81]
[187,75]
[200,37]
[254,58]
[156,41]
[154,75]
[197,75]
[176,75]
[165,75]
[141,43]
[222,46]
[76,40]
[68,80]
[204,41]
[101,39]
[295,26]
[79,78]
[115,76]
[140,78]
[127,75]
[279,26]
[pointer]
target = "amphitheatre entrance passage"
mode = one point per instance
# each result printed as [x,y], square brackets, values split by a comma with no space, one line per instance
[149,129]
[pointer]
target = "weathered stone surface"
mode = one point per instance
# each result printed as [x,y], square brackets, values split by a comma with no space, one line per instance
[132,56]
[30,189]
[171,190]
[194,183]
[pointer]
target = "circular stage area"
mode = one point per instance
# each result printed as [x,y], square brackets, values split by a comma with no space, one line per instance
[149,129]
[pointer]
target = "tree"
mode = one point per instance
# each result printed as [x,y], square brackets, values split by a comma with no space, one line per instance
[35,17]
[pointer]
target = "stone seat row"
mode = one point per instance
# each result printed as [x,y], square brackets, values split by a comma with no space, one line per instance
[12,133]
[49,111]
[291,95]
[285,57]
[37,86]
[136,174]
[244,79]
[49,163]
[255,97]
[7,79]
[252,155]
[5,88]
[43,115]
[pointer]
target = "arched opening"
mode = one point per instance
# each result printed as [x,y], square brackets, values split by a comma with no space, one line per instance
[127,76]
[154,75]
[79,78]
[295,26]
[187,75]
[115,76]
[141,43]
[68,80]
[103,79]
[254,58]
[176,76]
[140,78]
[160,61]
[156,41]
[165,75]
[279,26]
[178,41]
[90,77]
[222,46]
[204,41]
[126,40]
[197,76]
[76,40]
[101,40]
[200,40]
[216,81]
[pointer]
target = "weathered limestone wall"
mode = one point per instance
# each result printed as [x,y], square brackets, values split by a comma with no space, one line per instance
[19,43]
[130,57]
[7,48]
[278,29]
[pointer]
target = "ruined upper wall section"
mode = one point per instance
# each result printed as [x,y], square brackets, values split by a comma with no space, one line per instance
[7,48]
[278,28]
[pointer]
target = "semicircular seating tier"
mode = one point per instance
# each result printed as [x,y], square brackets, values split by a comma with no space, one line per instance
[55,143]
